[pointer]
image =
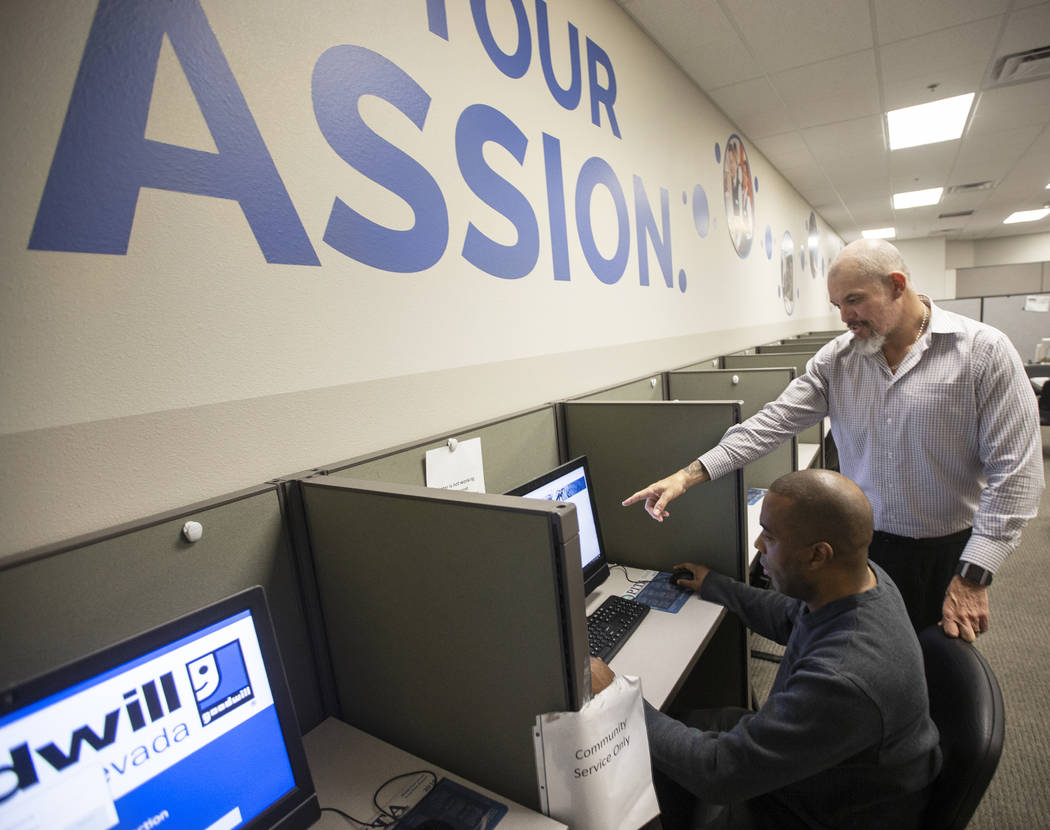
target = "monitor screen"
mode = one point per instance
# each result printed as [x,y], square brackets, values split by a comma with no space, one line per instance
[571,482]
[187,726]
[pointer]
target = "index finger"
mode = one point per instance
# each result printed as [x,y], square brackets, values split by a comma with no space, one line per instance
[637,497]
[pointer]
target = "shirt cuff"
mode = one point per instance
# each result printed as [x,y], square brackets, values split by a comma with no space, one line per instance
[716,462]
[986,552]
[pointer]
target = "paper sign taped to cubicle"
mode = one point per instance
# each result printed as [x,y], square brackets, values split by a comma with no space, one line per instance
[1037,302]
[593,766]
[457,466]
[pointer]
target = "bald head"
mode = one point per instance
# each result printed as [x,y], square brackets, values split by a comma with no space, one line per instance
[874,259]
[826,506]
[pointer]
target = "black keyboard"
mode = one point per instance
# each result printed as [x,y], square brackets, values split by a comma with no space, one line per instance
[612,623]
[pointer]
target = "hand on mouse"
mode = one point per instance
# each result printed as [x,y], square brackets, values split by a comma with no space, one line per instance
[692,575]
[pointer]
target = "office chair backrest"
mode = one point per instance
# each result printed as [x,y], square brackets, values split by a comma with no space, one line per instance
[967,706]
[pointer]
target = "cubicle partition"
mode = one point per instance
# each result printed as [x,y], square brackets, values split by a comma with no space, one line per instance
[453,619]
[709,364]
[814,436]
[632,444]
[1016,317]
[649,388]
[514,449]
[62,602]
[789,347]
[753,388]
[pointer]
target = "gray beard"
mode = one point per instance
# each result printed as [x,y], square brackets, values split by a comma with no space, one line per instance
[869,345]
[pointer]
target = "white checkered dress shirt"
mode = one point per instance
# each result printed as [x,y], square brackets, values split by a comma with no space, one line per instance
[948,442]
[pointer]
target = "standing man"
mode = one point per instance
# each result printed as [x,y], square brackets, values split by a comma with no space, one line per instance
[933,416]
[840,741]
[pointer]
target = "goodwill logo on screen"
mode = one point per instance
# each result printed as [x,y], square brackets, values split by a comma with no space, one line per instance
[103,159]
[133,734]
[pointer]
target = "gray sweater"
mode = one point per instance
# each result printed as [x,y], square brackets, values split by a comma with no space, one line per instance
[844,739]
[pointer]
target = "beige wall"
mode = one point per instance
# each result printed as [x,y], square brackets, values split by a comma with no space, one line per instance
[190,366]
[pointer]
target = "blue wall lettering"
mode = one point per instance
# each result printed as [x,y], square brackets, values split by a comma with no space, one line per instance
[568,97]
[552,167]
[477,125]
[516,64]
[102,158]
[645,225]
[596,171]
[437,20]
[341,76]
[602,84]
[601,95]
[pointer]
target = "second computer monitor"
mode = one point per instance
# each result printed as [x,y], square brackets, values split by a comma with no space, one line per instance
[571,482]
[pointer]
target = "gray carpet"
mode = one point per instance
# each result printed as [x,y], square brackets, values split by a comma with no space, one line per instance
[1017,646]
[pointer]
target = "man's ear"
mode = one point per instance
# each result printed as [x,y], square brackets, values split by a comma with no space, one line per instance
[820,555]
[899,283]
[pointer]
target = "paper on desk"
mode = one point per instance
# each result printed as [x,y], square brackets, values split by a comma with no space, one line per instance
[457,469]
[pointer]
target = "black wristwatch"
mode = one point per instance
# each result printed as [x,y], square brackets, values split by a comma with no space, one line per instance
[974,573]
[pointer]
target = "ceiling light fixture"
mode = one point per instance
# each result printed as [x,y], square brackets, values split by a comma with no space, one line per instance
[1027,216]
[879,233]
[942,120]
[917,198]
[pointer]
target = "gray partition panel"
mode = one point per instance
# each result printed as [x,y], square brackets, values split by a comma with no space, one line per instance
[708,365]
[63,602]
[631,445]
[791,347]
[453,620]
[797,360]
[968,307]
[514,449]
[754,388]
[649,388]
[1024,328]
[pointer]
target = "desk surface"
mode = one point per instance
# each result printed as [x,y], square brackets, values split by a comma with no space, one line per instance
[349,765]
[665,647]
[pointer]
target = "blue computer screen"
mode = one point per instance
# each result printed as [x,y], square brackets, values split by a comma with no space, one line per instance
[572,487]
[182,737]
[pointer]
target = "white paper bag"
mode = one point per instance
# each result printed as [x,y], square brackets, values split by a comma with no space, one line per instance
[593,766]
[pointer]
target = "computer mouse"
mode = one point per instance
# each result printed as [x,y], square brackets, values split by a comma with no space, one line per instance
[680,573]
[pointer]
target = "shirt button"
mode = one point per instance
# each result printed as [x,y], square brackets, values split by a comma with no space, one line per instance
[889,420]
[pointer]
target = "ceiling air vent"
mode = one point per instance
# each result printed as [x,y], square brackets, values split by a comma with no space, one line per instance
[955,214]
[944,230]
[971,187]
[1021,66]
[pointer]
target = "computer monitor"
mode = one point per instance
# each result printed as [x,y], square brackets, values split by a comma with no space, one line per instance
[189,725]
[571,482]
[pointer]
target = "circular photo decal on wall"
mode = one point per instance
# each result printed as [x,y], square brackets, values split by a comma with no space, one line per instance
[739,195]
[812,243]
[787,272]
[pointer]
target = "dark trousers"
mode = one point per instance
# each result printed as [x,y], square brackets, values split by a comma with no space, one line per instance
[679,808]
[921,568]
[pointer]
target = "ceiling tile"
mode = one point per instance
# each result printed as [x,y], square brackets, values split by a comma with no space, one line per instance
[856,137]
[958,80]
[901,19]
[699,37]
[917,168]
[821,124]
[1015,106]
[784,35]
[1026,29]
[839,89]
[1008,145]
[754,106]
[927,56]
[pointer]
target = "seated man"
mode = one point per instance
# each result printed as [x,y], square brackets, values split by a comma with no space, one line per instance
[845,738]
